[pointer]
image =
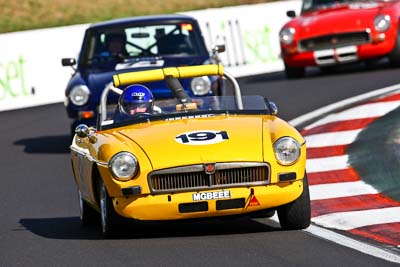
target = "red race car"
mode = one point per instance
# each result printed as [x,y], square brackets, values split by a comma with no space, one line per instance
[331,32]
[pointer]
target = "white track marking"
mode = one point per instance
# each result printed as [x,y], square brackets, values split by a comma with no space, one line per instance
[355,219]
[353,244]
[327,164]
[346,102]
[331,139]
[341,163]
[348,242]
[337,190]
[359,112]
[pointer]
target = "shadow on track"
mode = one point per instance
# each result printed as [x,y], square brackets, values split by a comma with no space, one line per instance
[72,228]
[46,144]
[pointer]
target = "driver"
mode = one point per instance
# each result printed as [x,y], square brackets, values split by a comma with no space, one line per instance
[115,44]
[135,99]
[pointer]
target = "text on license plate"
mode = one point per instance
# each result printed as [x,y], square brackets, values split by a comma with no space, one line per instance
[211,195]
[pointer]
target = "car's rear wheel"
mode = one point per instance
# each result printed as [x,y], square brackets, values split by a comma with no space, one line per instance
[294,72]
[297,214]
[394,56]
[87,214]
[109,218]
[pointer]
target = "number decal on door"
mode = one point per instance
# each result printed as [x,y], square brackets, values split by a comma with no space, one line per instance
[204,137]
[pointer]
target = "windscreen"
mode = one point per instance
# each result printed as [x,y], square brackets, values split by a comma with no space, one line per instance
[309,5]
[154,41]
[200,107]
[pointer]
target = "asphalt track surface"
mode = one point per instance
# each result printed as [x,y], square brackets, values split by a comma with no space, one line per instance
[40,226]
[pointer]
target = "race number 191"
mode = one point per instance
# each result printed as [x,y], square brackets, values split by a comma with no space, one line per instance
[202,137]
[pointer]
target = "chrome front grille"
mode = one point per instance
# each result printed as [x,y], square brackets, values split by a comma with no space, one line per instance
[334,40]
[207,176]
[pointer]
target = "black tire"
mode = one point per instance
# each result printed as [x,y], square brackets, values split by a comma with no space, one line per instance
[294,72]
[88,215]
[327,69]
[394,56]
[297,214]
[110,220]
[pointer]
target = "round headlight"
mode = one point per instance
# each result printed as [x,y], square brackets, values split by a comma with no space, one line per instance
[123,166]
[200,85]
[287,150]
[286,35]
[382,23]
[79,95]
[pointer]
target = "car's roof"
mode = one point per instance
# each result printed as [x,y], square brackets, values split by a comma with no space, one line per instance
[142,19]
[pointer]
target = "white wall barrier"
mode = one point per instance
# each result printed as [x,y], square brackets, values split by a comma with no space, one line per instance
[30,61]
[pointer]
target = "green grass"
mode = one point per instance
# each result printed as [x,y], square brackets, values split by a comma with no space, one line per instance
[34,14]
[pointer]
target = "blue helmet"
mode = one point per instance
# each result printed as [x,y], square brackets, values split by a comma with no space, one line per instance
[136,98]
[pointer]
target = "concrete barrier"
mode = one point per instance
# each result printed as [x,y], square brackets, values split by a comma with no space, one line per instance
[30,61]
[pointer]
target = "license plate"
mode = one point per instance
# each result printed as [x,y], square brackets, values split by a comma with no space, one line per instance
[223,194]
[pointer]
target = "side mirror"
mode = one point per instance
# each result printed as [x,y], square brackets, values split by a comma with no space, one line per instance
[219,48]
[82,131]
[68,62]
[273,108]
[291,13]
[216,50]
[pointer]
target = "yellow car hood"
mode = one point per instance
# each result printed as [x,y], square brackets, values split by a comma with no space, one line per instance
[203,140]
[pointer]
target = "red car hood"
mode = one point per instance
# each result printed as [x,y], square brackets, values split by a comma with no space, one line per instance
[343,18]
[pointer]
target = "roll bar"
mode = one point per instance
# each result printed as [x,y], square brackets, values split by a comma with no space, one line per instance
[128,78]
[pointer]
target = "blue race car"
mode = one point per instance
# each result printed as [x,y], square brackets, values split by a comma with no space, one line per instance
[136,44]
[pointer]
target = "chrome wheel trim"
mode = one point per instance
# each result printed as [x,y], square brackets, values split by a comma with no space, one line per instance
[103,207]
[80,204]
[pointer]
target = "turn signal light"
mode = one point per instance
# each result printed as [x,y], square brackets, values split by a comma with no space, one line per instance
[378,38]
[86,114]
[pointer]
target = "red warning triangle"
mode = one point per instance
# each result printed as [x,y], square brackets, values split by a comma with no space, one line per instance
[254,202]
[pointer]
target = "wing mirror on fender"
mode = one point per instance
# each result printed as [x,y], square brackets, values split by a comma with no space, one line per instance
[219,48]
[291,13]
[69,62]
[216,50]
[83,131]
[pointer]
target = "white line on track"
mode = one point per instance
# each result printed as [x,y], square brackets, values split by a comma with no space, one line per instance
[353,244]
[359,112]
[349,242]
[336,190]
[331,139]
[327,109]
[327,164]
[355,219]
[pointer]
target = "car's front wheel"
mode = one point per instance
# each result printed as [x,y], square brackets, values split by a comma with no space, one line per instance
[394,56]
[294,72]
[297,214]
[109,218]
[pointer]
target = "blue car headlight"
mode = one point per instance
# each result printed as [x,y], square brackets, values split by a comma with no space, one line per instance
[201,85]
[79,95]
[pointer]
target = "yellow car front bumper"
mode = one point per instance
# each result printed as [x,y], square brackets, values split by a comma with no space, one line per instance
[212,203]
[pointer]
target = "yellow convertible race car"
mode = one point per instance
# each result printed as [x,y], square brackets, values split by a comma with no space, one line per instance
[189,158]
